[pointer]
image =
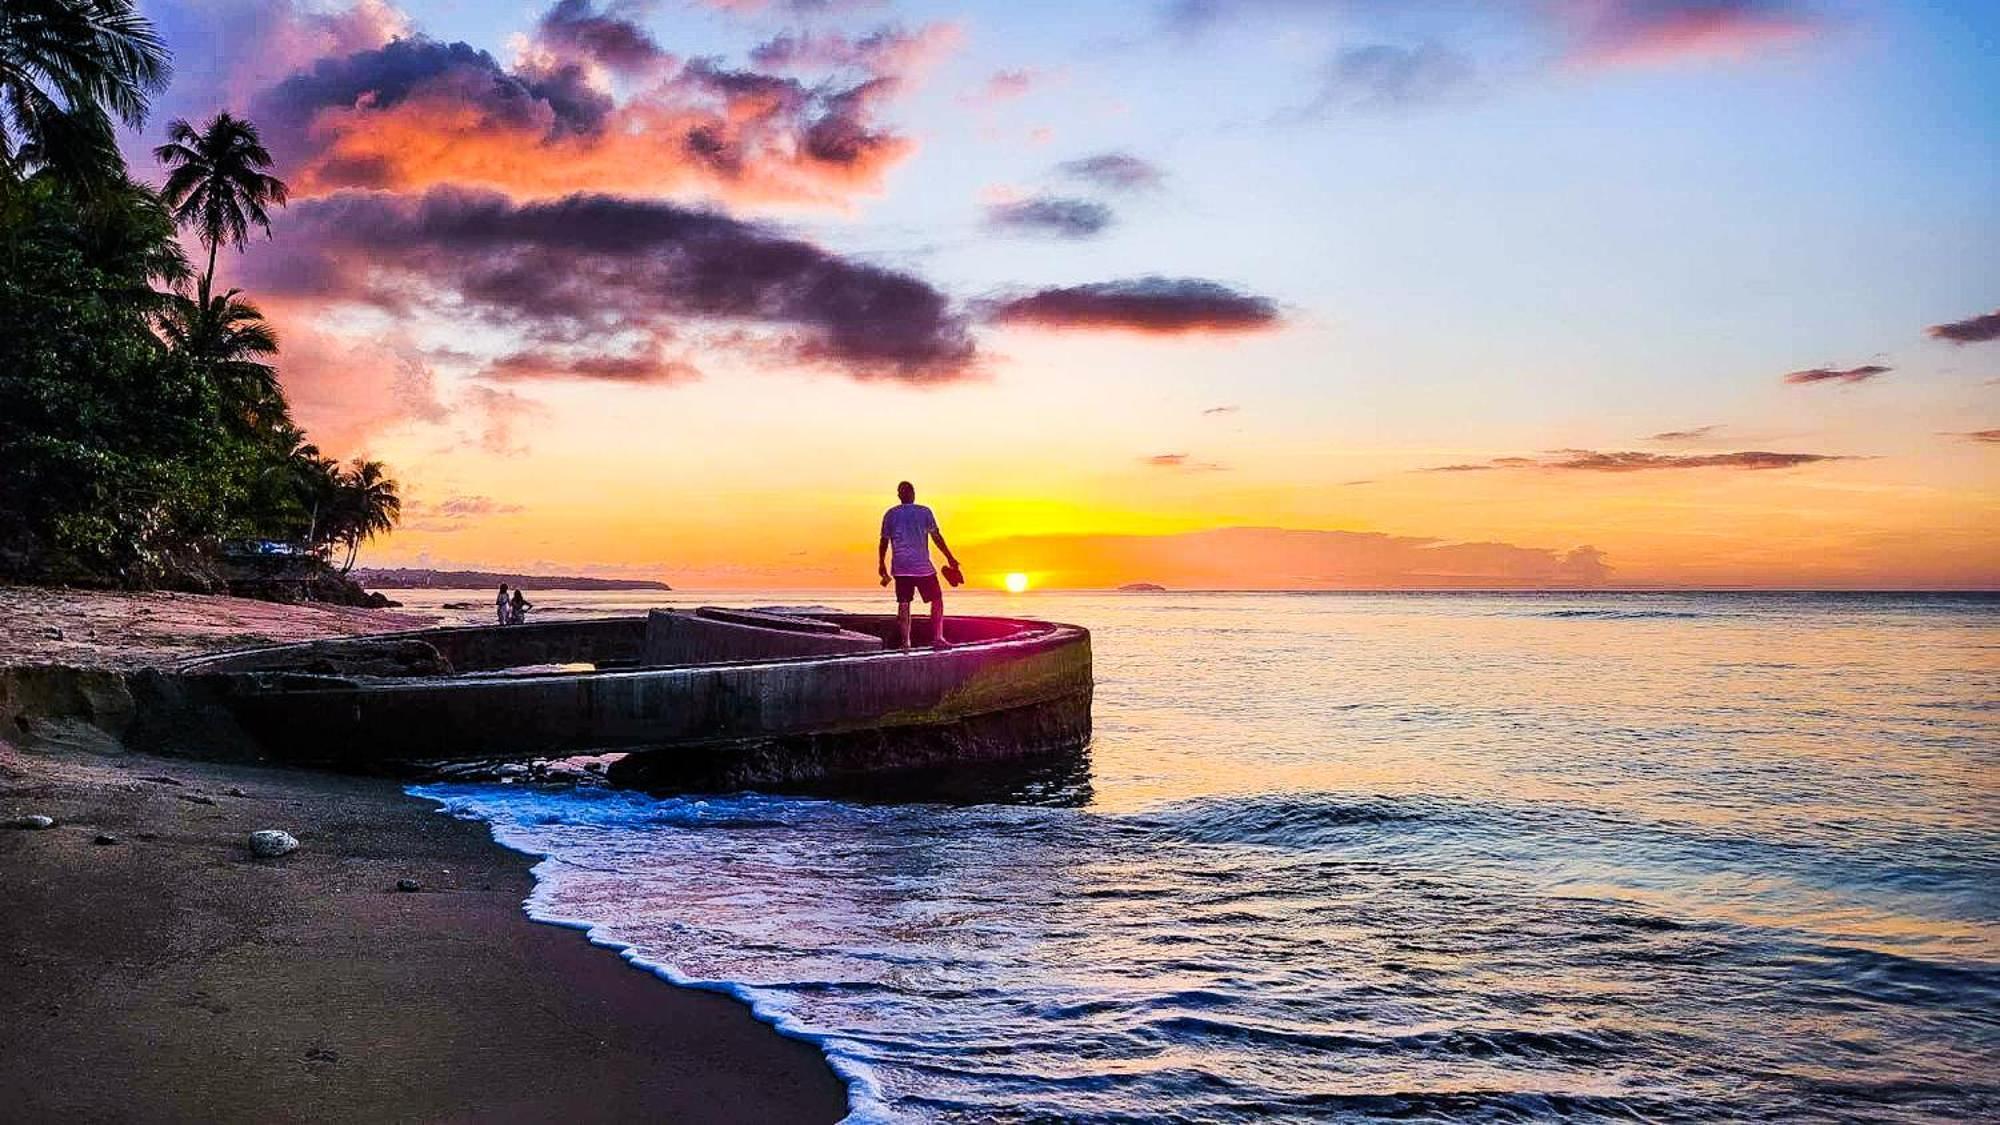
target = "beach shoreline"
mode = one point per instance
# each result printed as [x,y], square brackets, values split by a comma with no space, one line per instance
[166,974]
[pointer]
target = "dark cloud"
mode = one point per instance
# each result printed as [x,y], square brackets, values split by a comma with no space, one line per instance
[583,276]
[1676,436]
[1113,171]
[885,51]
[1972,330]
[1050,215]
[385,77]
[1221,410]
[608,36]
[1835,375]
[1383,76]
[1151,305]
[1982,436]
[1590,460]
[1182,462]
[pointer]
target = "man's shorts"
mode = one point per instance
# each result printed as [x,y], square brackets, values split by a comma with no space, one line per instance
[926,584]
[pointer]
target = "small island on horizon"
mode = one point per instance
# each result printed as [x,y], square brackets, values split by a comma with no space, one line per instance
[1142,588]
[419,578]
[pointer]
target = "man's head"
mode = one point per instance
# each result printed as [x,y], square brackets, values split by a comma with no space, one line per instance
[906,492]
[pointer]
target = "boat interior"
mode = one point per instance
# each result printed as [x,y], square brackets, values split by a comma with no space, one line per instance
[660,639]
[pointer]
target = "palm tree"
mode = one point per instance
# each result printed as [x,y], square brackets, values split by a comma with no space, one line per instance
[369,506]
[315,483]
[230,338]
[216,185]
[66,68]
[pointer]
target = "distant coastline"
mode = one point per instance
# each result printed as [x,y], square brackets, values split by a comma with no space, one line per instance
[407,578]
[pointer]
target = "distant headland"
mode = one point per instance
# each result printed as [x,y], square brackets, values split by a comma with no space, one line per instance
[409,578]
[1142,588]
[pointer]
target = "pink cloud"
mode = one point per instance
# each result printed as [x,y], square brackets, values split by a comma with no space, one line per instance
[1003,86]
[1611,33]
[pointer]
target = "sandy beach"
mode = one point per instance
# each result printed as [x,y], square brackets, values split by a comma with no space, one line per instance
[168,975]
[122,631]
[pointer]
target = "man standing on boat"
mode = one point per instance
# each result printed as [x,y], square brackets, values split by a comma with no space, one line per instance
[908,528]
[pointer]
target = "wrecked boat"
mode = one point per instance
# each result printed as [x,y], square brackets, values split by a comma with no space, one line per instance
[707,699]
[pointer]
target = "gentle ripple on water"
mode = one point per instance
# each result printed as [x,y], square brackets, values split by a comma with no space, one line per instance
[1661,857]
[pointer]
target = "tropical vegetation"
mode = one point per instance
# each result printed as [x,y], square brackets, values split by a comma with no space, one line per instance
[144,430]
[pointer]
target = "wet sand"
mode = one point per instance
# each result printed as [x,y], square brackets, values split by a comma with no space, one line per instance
[170,976]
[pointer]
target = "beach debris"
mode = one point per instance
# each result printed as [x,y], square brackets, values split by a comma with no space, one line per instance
[160,779]
[54,633]
[197,798]
[269,843]
[31,821]
[407,885]
[105,838]
[237,791]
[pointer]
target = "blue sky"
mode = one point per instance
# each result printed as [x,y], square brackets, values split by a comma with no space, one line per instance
[1462,233]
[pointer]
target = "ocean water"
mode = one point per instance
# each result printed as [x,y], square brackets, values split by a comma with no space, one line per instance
[1340,857]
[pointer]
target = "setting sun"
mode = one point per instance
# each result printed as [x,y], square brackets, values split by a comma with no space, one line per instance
[1016,582]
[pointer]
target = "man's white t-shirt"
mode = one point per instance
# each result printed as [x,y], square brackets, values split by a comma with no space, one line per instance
[908,527]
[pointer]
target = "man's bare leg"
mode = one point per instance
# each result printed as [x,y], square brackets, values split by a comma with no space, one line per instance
[903,621]
[937,624]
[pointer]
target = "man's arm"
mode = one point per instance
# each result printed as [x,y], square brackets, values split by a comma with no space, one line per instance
[938,538]
[882,551]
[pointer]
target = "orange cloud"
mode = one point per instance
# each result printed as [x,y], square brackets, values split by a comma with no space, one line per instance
[749,150]
[414,112]
[1281,558]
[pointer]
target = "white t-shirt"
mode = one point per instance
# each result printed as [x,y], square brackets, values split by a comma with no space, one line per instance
[907,527]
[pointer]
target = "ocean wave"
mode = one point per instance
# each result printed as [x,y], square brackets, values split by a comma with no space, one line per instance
[1605,881]
[1300,820]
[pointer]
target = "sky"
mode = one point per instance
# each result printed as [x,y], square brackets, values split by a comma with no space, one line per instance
[1218,293]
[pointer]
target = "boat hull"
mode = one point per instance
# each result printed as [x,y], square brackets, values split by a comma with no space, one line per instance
[1017,689]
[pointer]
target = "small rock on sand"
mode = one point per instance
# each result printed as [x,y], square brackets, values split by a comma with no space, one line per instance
[31,821]
[408,885]
[237,791]
[269,843]
[105,838]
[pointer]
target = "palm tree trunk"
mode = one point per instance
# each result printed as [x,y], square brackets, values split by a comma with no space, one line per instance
[208,279]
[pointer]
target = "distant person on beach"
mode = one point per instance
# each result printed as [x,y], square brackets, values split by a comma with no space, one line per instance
[519,607]
[500,608]
[909,528]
